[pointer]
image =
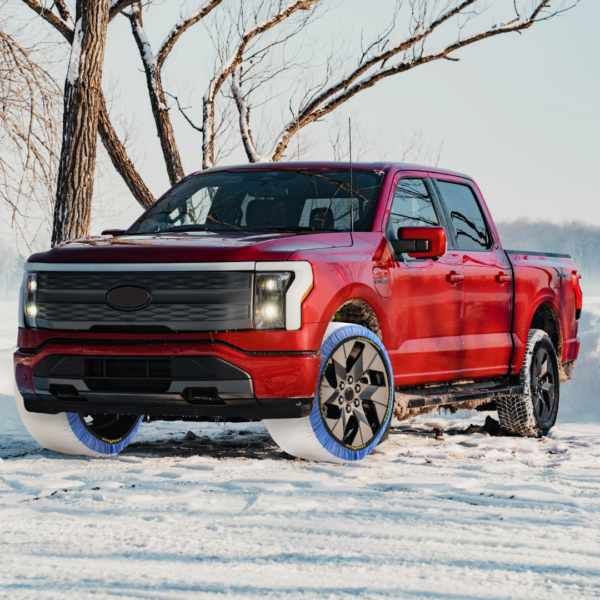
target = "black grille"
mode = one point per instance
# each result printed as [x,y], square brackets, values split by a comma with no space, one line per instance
[152,281]
[182,301]
[153,313]
[137,374]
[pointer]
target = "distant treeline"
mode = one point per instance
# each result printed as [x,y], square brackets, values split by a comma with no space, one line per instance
[581,241]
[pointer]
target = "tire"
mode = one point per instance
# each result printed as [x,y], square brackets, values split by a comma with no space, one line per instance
[353,403]
[96,436]
[533,413]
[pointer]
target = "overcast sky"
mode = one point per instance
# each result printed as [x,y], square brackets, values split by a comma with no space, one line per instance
[519,113]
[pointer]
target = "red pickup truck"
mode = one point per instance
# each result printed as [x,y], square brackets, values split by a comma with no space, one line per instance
[321,298]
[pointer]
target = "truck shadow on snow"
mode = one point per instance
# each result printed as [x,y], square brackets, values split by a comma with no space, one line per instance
[239,445]
[245,445]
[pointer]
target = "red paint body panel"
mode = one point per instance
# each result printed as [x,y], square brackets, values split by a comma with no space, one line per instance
[274,376]
[464,315]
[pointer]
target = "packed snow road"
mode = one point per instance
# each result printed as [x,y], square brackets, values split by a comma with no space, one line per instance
[223,512]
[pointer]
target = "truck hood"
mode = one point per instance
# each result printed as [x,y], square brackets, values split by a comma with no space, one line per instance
[189,247]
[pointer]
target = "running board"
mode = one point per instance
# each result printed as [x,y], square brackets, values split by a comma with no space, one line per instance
[454,394]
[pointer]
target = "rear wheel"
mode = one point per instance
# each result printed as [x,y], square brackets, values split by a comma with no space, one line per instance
[93,435]
[533,413]
[353,403]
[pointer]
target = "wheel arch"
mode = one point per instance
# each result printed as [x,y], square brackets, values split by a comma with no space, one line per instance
[359,312]
[546,318]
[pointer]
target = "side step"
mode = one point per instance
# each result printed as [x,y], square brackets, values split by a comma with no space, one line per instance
[453,394]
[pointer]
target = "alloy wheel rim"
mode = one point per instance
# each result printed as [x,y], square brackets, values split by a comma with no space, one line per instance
[543,385]
[355,393]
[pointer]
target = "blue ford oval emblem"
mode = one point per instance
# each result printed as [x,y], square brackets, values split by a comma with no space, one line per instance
[128,297]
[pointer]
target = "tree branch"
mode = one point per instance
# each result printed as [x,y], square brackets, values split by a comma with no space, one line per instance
[244,115]
[181,27]
[229,65]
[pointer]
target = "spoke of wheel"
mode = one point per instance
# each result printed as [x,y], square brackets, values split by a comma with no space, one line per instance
[364,429]
[367,357]
[543,356]
[539,406]
[537,365]
[339,365]
[330,394]
[338,426]
[376,393]
[549,389]
[544,407]
[380,398]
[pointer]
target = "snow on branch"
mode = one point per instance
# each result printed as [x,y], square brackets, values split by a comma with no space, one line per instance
[181,26]
[228,65]
[75,58]
[63,27]
[244,114]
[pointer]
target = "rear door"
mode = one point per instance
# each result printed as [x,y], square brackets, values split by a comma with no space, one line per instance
[428,294]
[488,283]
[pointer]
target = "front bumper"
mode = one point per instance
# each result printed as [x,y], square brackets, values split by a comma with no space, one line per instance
[238,409]
[247,386]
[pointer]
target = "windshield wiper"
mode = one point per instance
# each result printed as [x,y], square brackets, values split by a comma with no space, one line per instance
[300,229]
[181,229]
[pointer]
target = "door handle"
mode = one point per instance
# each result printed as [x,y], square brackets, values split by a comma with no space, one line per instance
[502,278]
[454,277]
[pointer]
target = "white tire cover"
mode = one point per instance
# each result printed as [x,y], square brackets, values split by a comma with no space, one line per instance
[64,433]
[304,438]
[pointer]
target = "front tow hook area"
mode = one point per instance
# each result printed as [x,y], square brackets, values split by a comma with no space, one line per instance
[203,396]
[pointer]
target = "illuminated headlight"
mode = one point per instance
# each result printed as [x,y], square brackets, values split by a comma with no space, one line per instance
[269,300]
[29,299]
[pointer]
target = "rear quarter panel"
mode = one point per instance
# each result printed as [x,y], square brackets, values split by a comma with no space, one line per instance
[537,281]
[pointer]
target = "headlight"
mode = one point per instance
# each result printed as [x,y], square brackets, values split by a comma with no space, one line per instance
[29,299]
[269,300]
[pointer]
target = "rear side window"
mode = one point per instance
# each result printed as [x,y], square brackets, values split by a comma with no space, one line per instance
[412,207]
[466,217]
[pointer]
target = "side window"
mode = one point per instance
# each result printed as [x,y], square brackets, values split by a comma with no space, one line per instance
[412,207]
[465,216]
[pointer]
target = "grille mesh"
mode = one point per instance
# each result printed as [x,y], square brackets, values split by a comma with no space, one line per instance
[80,299]
[155,313]
[152,281]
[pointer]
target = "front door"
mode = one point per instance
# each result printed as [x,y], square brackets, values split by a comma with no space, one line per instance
[428,294]
[488,281]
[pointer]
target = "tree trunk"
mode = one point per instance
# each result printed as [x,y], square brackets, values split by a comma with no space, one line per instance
[83,93]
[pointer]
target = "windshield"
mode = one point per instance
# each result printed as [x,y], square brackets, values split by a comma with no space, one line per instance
[303,201]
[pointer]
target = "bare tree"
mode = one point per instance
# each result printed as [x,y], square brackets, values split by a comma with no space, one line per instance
[59,18]
[231,56]
[83,85]
[30,103]
[378,59]
[153,64]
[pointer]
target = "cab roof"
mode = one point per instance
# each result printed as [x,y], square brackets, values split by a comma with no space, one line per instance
[318,165]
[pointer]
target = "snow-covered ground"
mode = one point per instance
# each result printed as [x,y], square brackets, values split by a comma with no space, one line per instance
[226,514]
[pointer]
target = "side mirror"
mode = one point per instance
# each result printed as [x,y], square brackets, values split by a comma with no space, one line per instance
[114,232]
[420,242]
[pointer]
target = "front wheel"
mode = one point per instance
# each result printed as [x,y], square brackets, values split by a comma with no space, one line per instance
[353,403]
[94,435]
[534,412]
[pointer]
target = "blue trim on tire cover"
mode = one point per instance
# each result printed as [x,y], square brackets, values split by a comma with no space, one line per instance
[93,443]
[316,419]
